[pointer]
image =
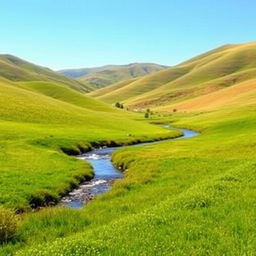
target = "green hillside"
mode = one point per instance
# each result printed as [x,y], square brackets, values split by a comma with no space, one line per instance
[76,73]
[215,70]
[103,76]
[63,93]
[41,119]
[111,88]
[16,69]
[191,196]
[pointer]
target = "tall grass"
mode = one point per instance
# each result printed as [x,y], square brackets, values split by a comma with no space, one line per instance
[8,225]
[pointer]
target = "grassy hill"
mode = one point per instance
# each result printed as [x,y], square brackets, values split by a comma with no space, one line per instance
[178,197]
[16,69]
[224,67]
[76,73]
[43,114]
[103,76]
[240,94]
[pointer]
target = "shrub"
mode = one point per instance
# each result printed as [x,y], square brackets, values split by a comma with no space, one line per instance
[119,105]
[8,225]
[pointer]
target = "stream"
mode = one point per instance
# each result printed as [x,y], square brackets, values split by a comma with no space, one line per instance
[105,172]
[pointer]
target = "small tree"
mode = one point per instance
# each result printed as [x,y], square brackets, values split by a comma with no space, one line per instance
[174,110]
[148,113]
[119,105]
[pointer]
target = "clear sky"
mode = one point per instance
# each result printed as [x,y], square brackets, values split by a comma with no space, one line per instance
[85,33]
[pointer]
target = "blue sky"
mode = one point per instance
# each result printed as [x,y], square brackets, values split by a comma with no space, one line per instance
[85,33]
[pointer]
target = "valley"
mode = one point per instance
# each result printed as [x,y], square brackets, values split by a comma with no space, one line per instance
[191,196]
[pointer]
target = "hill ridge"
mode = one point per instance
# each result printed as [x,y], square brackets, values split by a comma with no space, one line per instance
[208,72]
[103,76]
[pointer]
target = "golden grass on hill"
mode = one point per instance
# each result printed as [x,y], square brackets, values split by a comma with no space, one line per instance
[223,67]
[238,95]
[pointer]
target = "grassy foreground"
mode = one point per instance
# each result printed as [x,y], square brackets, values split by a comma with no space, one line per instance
[184,197]
[39,121]
[35,171]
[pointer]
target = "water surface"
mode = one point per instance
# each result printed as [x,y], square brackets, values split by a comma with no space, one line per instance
[105,172]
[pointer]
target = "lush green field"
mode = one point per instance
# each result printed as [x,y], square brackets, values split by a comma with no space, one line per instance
[41,119]
[33,165]
[180,197]
[184,197]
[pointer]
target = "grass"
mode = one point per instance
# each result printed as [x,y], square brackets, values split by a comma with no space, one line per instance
[210,72]
[179,197]
[110,88]
[184,197]
[66,94]
[240,94]
[33,157]
[101,77]
[16,69]
[39,121]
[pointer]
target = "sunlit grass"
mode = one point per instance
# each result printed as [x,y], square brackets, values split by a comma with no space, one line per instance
[41,121]
[184,197]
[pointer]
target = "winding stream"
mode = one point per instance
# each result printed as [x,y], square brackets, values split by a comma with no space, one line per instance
[105,172]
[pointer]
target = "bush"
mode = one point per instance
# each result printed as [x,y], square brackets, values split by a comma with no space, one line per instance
[8,225]
[119,105]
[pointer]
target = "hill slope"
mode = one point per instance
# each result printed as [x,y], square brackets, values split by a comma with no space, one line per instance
[215,70]
[41,115]
[106,75]
[16,69]
[179,197]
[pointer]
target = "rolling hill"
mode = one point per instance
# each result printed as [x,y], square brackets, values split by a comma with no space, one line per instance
[103,76]
[178,197]
[215,71]
[17,70]
[42,115]
[181,197]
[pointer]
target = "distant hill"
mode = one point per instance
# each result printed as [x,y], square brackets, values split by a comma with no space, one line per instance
[218,72]
[18,70]
[103,76]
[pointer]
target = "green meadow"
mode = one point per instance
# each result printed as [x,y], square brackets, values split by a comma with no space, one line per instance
[192,196]
[44,121]
[183,197]
[34,165]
